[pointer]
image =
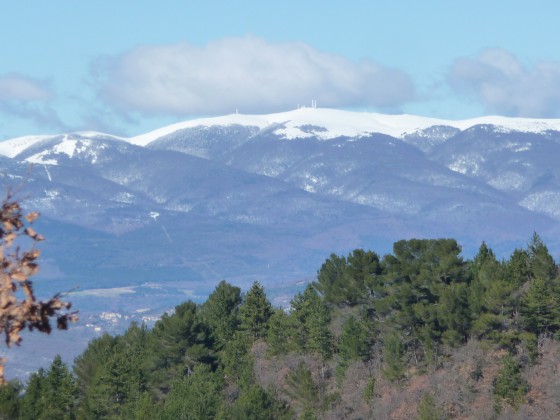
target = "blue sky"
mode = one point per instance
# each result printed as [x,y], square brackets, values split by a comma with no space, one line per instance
[127,67]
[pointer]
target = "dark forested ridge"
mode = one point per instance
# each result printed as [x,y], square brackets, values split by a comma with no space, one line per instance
[418,333]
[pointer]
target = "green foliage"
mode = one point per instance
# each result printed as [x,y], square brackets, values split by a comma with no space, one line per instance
[311,318]
[354,343]
[237,361]
[281,337]
[301,387]
[256,311]
[113,376]
[349,281]
[221,312]
[415,278]
[176,344]
[541,262]
[257,404]
[540,306]
[50,394]
[509,384]
[369,391]
[195,396]
[9,400]
[429,410]
[393,357]
[519,267]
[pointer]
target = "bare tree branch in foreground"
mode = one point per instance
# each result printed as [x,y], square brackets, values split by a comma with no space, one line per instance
[18,306]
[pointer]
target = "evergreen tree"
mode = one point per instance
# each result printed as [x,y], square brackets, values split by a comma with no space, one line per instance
[455,314]
[61,391]
[349,281]
[542,263]
[311,318]
[354,343]
[221,312]
[196,396]
[9,400]
[91,360]
[540,307]
[281,333]
[509,384]
[393,357]
[429,410]
[238,361]
[257,404]
[255,312]
[329,279]
[50,394]
[177,343]
[33,402]
[519,267]
[301,387]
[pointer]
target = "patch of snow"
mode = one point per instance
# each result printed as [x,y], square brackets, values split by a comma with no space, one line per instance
[40,159]
[509,181]
[387,203]
[124,197]
[547,202]
[183,208]
[467,164]
[104,293]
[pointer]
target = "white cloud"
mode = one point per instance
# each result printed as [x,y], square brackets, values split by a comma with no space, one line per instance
[27,99]
[502,84]
[17,87]
[249,74]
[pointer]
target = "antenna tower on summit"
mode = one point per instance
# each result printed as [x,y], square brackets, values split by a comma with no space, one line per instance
[313,103]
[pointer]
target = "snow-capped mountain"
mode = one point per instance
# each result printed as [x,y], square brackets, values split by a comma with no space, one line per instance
[374,177]
[142,223]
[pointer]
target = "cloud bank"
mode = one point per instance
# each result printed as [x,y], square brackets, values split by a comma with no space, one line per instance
[502,84]
[17,87]
[248,74]
[26,98]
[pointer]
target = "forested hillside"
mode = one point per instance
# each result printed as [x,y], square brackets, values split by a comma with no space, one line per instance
[418,333]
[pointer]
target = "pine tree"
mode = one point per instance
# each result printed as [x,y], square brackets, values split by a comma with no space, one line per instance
[354,343]
[540,307]
[61,391]
[50,394]
[9,399]
[281,333]
[221,312]
[393,357]
[196,396]
[255,312]
[311,318]
[301,387]
[542,263]
[257,404]
[509,384]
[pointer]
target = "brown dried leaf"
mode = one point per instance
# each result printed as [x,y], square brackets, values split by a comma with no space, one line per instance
[29,231]
[19,276]
[9,239]
[8,225]
[31,217]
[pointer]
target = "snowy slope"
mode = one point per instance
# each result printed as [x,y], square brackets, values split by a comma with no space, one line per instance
[329,123]
[13,147]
